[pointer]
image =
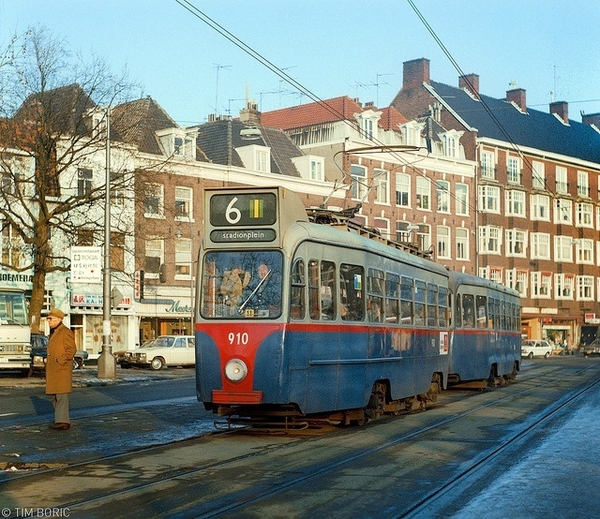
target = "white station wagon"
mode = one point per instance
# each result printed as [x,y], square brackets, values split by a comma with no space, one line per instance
[165,350]
[536,348]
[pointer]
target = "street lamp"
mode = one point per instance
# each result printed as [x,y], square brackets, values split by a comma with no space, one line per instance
[107,365]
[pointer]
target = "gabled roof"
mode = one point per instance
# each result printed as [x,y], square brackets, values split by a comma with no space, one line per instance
[219,140]
[137,121]
[330,110]
[533,129]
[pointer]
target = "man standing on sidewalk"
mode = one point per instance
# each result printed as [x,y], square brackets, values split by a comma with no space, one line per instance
[59,368]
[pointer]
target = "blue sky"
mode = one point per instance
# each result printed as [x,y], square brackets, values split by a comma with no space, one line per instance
[329,47]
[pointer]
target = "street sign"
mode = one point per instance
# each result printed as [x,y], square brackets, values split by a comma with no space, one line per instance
[86,264]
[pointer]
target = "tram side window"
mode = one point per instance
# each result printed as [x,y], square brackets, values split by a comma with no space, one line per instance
[313,289]
[297,291]
[432,302]
[406,300]
[392,282]
[468,311]
[420,294]
[481,302]
[458,312]
[351,292]
[443,307]
[493,313]
[375,286]
[327,290]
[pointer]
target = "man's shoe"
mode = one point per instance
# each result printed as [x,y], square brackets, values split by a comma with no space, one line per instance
[61,426]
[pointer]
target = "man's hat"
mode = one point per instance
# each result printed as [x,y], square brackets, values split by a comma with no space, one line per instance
[55,312]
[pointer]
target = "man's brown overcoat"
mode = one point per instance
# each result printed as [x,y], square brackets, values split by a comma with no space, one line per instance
[59,362]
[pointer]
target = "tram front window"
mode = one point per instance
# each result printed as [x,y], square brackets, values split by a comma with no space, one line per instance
[242,285]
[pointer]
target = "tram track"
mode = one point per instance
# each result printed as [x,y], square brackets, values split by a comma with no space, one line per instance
[145,474]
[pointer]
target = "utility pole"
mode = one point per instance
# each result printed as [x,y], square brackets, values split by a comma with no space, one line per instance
[107,366]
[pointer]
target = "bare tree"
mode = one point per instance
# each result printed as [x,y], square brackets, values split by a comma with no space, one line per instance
[52,125]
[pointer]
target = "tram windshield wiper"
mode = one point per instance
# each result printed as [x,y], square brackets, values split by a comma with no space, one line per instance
[260,284]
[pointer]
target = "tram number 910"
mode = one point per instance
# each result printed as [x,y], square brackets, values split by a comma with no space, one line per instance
[238,339]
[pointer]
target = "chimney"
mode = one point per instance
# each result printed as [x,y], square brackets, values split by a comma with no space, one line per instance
[415,73]
[560,108]
[250,114]
[517,96]
[591,119]
[471,83]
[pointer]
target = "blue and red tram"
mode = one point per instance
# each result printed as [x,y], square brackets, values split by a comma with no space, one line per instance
[297,318]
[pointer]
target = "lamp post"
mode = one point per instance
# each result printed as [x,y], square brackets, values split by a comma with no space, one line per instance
[106,361]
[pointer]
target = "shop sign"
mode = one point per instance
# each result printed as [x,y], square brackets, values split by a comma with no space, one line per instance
[86,264]
[591,319]
[96,300]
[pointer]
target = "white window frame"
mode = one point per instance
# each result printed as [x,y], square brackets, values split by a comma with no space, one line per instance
[443,242]
[540,245]
[403,190]
[382,186]
[184,197]
[540,207]
[461,199]
[488,165]
[514,201]
[584,251]
[358,189]
[183,258]
[563,249]
[583,185]
[513,170]
[154,248]
[154,191]
[423,194]
[442,195]
[562,186]
[490,240]
[489,199]
[462,243]
[516,243]
[585,288]
[563,211]
[517,280]
[564,286]
[538,175]
[584,215]
[541,285]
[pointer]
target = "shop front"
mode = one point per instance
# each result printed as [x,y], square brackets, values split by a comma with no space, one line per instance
[164,316]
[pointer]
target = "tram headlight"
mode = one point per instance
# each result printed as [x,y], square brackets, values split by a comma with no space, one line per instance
[236,370]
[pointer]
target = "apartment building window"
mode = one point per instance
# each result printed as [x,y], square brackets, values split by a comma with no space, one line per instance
[316,170]
[538,175]
[516,242]
[488,165]
[584,251]
[451,143]
[424,237]
[513,170]
[563,211]
[154,257]
[540,245]
[382,182]
[84,237]
[84,181]
[514,202]
[496,274]
[462,199]
[585,215]
[358,190]
[585,288]
[154,200]
[117,251]
[517,280]
[583,186]
[442,194]
[489,240]
[183,258]
[11,245]
[541,285]
[443,242]
[383,226]
[423,193]
[183,202]
[117,188]
[489,199]
[402,232]
[564,285]
[563,248]
[412,132]
[562,186]
[598,289]
[540,207]
[462,243]
[262,161]
[402,190]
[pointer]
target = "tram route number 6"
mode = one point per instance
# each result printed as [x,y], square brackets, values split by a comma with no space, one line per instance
[238,338]
[233,214]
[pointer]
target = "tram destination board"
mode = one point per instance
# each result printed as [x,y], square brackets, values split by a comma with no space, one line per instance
[239,217]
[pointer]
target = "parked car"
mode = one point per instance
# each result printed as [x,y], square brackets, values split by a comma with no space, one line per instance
[593,348]
[39,352]
[165,350]
[536,348]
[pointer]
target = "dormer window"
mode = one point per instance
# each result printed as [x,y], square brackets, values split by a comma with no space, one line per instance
[412,132]
[178,143]
[310,167]
[367,121]
[451,141]
[256,157]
